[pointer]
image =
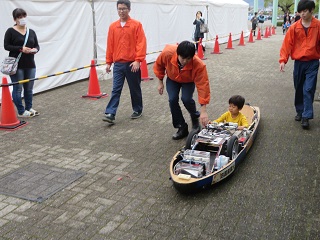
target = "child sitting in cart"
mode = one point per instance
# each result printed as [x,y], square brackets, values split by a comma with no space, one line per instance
[234,115]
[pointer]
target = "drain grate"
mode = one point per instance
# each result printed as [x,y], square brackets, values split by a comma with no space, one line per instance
[37,182]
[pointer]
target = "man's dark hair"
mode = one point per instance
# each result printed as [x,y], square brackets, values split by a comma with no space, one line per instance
[126,2]
[18,13]
[186,49]
[237,100]
[306,4]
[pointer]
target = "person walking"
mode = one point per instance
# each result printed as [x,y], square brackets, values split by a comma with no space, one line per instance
[286,18]
[297,17]
[184,71]
[302,42]
[254,22]
[197,34]
[126,49]
[14,40]
[261,20]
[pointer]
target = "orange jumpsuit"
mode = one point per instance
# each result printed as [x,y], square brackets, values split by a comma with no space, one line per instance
[195,71]
[121,46]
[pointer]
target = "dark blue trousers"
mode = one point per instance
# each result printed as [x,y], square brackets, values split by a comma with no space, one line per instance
[122,71]
[305,76]
[173,89]
[21,74]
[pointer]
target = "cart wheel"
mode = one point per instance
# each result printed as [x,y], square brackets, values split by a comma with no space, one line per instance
[191,139]
[233,147]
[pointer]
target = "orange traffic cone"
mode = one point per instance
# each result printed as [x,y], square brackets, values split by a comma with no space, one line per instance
[273,30]
[270,31]
[266,33]
[259,35]
[229,45]
[251,37]
[241,41]
[144,71]
[94,87]
[216,49]
[8,117]
[200,50]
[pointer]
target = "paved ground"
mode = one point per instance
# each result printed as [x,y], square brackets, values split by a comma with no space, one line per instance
[126,192]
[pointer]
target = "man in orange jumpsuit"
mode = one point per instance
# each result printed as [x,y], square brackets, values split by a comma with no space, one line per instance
[126,49]
[184,71]
[302,43]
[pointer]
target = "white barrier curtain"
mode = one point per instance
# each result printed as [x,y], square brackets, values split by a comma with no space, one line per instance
[65,29]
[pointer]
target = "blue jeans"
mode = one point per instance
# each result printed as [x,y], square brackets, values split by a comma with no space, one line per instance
[120,72]
[173,89]
[305,76]
[21,74]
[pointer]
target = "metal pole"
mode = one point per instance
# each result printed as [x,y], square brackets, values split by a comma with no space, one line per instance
[275,13]
[255,6]
[295,5]
[207,21]
[95,54]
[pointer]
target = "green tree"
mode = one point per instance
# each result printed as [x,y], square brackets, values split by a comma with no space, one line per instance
[288,5]
[284,5]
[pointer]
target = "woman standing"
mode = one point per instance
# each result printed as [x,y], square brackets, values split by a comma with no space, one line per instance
[197,34]
[254,21]
[14,43]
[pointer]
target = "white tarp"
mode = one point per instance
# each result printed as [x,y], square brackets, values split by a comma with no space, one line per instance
[65,34]
[65,29]
[171,21]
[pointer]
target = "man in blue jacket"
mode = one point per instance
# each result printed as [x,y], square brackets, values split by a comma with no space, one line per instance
[261,20]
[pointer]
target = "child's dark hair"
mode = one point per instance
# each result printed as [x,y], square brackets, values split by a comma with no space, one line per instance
[237,100]
[306,4]
[18,13]
[125,2]
[186,49]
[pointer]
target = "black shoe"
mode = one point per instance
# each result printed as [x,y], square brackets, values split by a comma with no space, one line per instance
[108,117]
[136,115]
[305,123]
[195,123]
[182,133]
[298,117]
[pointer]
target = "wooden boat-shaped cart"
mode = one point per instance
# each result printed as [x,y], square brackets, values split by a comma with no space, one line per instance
[224,143]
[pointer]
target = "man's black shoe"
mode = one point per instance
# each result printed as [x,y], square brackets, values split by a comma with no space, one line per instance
[182,133]
[305,123]
[298,117]
[195,123]
[108,117]
[136,115]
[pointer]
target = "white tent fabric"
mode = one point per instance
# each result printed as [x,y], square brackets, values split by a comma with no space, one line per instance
[65,38]
[65,29]
[170,21]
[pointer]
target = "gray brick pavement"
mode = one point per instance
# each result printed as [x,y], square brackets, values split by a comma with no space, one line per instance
[127,194]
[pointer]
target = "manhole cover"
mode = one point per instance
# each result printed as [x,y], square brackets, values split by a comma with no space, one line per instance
[37,182]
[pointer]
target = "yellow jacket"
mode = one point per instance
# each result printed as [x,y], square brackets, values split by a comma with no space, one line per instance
[194,71]
[240,119]
[127,43]
[300,46]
